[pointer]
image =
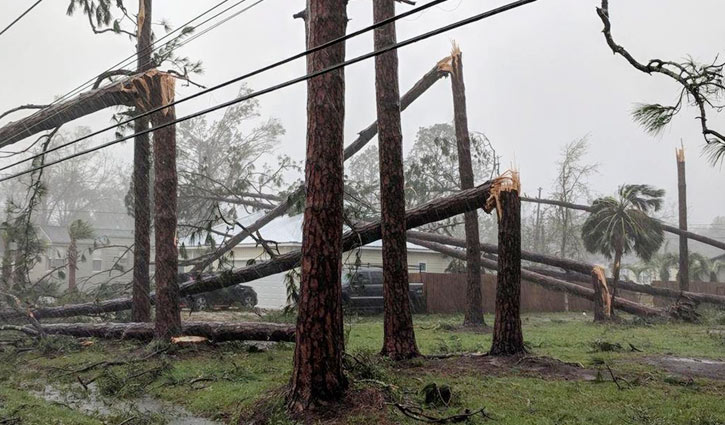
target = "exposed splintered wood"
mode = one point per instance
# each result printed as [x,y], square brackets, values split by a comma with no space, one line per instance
[317,374]
[683,275]
[435,210]
[213,331]
[440,70]
[398,334]
[168,312]
[118,94]
[508,338]
[602,297]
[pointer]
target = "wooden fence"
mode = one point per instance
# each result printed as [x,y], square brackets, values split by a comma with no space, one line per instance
[716,288]
[446,293]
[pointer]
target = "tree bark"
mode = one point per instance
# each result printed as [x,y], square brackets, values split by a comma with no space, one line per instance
[684,275]
[474,302]
[616,269]
[168,313]
[214,331]
[508,338]
[602,299]
[398,334]
[7,262]
[435,210]
[72,265]
[439,71]
[317,375]
[141,309]
[667,228]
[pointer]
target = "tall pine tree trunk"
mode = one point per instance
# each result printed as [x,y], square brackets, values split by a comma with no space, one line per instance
[317,375]
[72,265]
[684,274]
[474,303]
[399,336]
[141,308]
[168,314]
[7,261]
[507,336]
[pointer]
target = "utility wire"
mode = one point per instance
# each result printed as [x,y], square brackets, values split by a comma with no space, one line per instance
[130,59]
[20,17]
[237,79]
[288,83]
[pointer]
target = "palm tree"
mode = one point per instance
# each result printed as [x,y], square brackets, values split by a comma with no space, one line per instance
[620,225]
[77,230]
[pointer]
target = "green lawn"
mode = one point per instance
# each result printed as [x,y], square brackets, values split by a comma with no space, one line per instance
[230,381]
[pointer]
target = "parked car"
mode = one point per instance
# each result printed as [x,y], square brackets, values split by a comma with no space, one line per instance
[362,290]
[237,295]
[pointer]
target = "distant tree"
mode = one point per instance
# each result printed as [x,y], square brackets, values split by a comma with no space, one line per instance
[571,186]
[77,230]
[620,225]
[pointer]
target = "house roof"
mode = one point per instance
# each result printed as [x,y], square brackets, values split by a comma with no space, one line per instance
[284,230]
[59,234]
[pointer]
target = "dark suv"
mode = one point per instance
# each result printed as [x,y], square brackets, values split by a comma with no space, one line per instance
[362,290]
[239,295]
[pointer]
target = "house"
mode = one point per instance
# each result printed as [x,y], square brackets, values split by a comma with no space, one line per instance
[106,258]
[284,235]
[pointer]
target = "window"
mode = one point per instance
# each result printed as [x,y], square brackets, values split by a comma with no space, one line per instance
[97,264]
[421,267]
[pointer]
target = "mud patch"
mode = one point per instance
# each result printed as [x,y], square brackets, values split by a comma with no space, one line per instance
[690,367]
[533,366]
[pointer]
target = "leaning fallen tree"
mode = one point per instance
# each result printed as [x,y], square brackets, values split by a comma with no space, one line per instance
[213,331]
[578,271]
[117,94]
[435,210]
[547,281]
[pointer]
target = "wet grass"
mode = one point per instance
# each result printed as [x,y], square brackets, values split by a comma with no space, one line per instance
[228,381]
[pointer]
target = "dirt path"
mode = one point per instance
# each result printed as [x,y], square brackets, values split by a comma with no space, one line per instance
[690,367]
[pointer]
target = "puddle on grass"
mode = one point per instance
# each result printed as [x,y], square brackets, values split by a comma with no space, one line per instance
[92,403]
[688,366]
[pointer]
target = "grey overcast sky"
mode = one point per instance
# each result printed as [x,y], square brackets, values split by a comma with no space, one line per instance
[537,78]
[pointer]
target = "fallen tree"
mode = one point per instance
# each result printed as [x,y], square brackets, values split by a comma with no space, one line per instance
[581,271]
[547,281]
[665,227]
[435,210]
[440,70]
[117,94]
[214,331]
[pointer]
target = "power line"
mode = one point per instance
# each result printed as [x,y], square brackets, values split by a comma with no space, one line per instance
[234,80]
[20,17]
[129,60]
[287,83]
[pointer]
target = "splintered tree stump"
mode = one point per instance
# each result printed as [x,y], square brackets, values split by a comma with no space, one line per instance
[602,298]
[508,338]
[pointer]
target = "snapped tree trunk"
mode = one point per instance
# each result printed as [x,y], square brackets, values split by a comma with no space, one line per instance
[398,334]
[474,302]
[684,274]
[141,308]
[602,299]
[508,338]
[317,375]
[72,265]
[168,313]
